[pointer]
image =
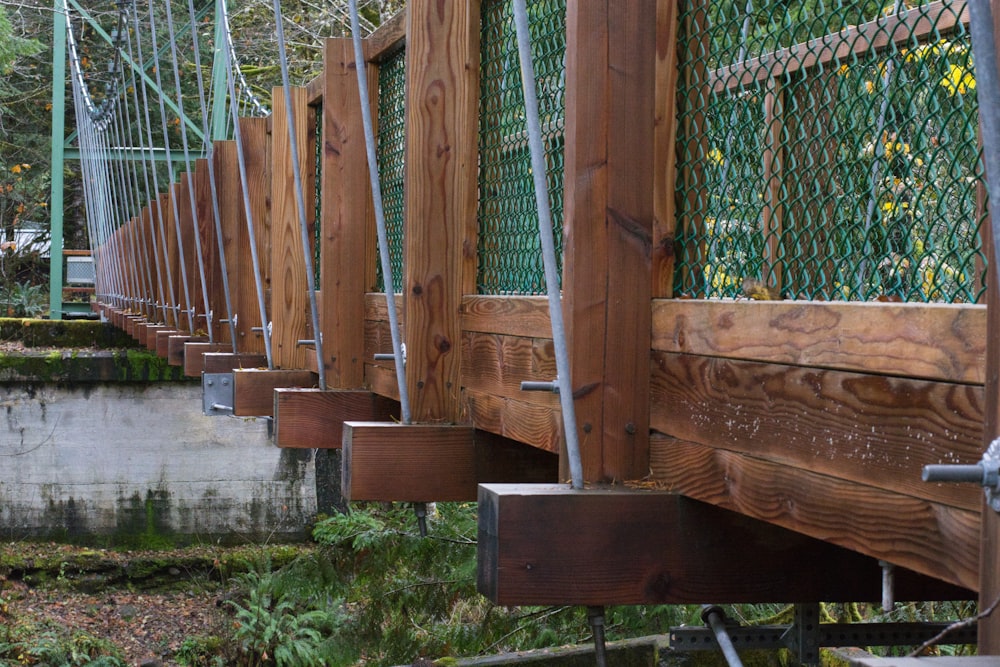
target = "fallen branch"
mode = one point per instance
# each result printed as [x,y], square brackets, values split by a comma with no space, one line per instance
[957,625]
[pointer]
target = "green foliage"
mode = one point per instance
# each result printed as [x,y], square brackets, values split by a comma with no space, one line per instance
[25,300]
[200,651]
[55,648]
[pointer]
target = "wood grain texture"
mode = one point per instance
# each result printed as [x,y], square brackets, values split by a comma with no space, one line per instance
[162,342]
[665,150]
[526,316]
[498,364]
[529,423]
[868,429]
[175,347]
[227,362]
[442,96]
[256,152]
[346,203]
[926,537]
[313,418]
[412,462]
[387,38]
[546,544]
[210,249]
[382,381]
[253,389]
[288,274]
[194,356]
[189,257]
[934,341]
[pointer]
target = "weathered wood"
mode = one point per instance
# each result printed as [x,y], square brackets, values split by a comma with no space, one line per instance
[387,39]
[934,539]
[526,316]
[315,89]
[288,274]
[253,389]
[934,341]
[175,347]
[256,150]
[408,462]
[346,202]
[529,423]
[442,96]
[194,356]
[498,365]
[665,150]
[227,362]
[545,544]
[867,429]
[210,248]
[147,330]
[313,418]
[382,380]
[195,299]
[162,341]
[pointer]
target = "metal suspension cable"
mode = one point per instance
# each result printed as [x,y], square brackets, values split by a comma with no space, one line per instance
[383,235]
[155,295]
[539,172]
[172,199]
[299,197]
[209,146]
[192,195]
[248,208]
[247,95]
[167,290]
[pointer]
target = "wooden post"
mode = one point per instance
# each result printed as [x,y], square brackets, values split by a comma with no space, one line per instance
[665,151]
[441,157]
[289,300]
[610,139]
[210,252]
[346,207]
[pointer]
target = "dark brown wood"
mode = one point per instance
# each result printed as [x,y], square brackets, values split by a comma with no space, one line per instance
[934,341]
[546,544]
[500,460]
[175,347]
[498,365]
[313,418]
[162,342]
[227,362]
[530,423]
[253,389]
[256,149]
[442,96]
[346,204]
[937,540]
[194,356]
[867,429]
[408,462]
[387,39]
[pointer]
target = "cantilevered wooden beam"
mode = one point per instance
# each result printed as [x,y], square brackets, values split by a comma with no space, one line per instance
[313,418]
[253,389]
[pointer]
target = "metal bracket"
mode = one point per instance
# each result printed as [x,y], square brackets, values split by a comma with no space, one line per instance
[217,394]
[802,637]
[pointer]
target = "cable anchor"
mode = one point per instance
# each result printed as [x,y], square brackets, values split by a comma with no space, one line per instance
[986,473]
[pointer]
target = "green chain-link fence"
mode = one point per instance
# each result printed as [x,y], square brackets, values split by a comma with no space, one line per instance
[828,150]
[391,152]
[510,257]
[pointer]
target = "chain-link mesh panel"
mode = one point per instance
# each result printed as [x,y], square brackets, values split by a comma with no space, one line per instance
[391,148]
[828,150]
[510,256]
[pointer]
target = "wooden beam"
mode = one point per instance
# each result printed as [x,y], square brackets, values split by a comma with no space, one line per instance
[313,418]
[923,340]
[545,544]
[194,356]
[288,278]
[408,462]
[665,150]
[253,389]
[938,540]
[442,96]
[176,347]
[346,206]
[227,362]
[387,39]
[526,316]
[162,343]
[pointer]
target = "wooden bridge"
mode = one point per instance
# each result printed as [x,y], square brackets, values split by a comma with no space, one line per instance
[734,449]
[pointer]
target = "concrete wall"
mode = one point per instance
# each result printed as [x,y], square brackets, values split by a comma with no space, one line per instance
[137,464]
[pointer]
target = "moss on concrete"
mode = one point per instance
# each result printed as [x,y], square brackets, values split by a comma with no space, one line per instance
[64,333]
[88,366]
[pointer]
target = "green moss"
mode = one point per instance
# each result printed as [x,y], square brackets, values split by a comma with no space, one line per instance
[64,333]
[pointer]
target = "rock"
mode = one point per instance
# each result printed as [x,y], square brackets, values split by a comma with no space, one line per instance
[152,662]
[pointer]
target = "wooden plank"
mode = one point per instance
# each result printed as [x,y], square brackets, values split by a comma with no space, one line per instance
[227,362]
[934,341]
[535,425]
[188,254]
[382,381]
[937,540]
[904,29]
[315,89]
[665,150]
[152,332]
[194,356]
[387,38]
[143,330]
[210,249]
[256,152]
[546,544]
[869,429]
[408,462]
[498,364]
[526,316]
[288,278]
[442,96]
[313,418]
[346,203]
[162,343]
[500,460]
[253,389]
[176,347]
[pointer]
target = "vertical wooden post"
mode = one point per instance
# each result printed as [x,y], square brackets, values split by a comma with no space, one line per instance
[229,191]
[665,151]
[989,554]
[257,159]
[210,252]
[346,206]
[610,132]
[441,130]
[288,280]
